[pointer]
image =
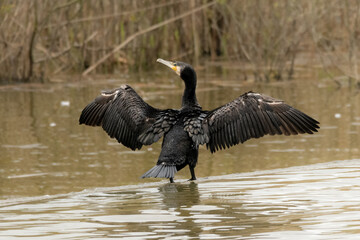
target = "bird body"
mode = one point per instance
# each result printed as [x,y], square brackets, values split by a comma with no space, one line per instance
[124,115]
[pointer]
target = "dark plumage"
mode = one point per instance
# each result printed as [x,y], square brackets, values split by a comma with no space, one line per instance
[125,116]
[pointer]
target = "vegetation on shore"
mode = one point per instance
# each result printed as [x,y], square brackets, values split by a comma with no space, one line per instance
[43,38]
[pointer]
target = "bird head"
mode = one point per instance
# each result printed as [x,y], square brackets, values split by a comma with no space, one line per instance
[184,70]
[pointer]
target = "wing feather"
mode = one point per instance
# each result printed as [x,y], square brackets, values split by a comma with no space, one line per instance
[124,115]
[253,115]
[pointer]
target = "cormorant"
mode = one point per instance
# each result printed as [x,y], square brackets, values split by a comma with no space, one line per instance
[124,115]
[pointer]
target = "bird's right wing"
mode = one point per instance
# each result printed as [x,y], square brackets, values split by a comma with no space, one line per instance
[124,115]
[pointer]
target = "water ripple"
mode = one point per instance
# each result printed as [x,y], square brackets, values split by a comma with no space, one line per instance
[317,201]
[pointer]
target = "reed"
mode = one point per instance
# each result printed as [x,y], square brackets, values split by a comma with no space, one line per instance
[43,38]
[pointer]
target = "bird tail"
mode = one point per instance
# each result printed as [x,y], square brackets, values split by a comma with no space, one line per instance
[161,171]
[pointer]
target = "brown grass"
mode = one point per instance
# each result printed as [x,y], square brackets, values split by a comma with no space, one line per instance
[42,38]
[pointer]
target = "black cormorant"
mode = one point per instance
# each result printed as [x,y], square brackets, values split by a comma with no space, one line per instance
[124,115]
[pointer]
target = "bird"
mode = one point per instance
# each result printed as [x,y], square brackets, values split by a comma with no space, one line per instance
[124,115]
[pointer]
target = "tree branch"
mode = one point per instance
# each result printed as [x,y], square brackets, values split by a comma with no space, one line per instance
[141,32]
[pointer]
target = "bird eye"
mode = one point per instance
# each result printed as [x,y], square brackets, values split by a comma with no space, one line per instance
[175,64]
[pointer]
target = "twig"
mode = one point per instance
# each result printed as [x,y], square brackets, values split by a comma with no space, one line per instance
[65,5]
[59,54]
[88,19]
[32,43]
[141,32]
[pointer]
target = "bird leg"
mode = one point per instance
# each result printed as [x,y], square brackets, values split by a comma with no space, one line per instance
[171,180]
[192,171]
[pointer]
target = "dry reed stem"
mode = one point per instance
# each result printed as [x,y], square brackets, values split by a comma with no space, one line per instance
[40,38]
[144,31]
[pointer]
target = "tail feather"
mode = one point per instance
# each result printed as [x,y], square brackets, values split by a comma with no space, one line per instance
[161,171]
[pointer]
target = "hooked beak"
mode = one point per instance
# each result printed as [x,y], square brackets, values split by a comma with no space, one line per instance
[170,64]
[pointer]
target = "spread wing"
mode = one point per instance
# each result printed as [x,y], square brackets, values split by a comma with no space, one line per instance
[124,115]
[253,115]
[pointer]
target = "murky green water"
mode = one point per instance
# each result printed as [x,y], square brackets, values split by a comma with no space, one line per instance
[59,180]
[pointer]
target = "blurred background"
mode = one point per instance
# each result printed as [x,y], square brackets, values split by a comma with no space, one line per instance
[266,39]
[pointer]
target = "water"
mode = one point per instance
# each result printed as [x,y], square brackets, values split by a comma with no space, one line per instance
[59,180]
[317,201]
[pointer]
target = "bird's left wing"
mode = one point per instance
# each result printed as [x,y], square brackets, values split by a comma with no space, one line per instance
[124,115]
[253,115]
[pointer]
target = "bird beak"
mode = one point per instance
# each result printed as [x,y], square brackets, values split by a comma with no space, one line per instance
[170,65]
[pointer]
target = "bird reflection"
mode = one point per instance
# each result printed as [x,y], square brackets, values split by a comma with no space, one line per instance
[180,194]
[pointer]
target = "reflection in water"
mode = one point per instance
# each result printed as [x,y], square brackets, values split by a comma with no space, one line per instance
[176,195]
[291,203]
[181,196]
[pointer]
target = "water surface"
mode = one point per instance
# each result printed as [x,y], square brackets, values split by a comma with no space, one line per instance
[319,201]
[63,180]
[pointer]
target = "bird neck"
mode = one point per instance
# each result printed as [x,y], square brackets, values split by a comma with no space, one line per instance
[189,97]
